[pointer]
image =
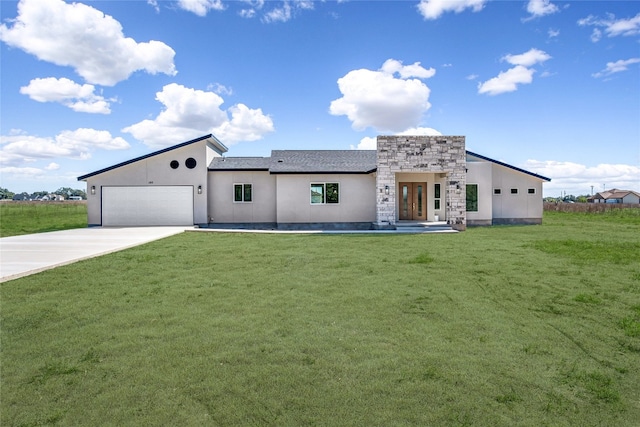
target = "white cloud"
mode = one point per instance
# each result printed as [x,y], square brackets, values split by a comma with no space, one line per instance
[577,179]
[189,113]
[527,59]
[79,98]
[285,12]
[52,166]
[86,39]
[538,8]
[200,7]
[78,144]
[433,9]
[421,131]
[220,89]
[371,143]
[553,33]
[380,100]
[616,67]
[508,81]
[366,143]
[612,27]
[154,4]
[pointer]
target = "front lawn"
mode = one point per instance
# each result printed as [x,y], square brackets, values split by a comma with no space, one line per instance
[18,218]
[496,326]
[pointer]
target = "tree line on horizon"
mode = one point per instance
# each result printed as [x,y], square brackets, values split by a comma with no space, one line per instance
[66,192]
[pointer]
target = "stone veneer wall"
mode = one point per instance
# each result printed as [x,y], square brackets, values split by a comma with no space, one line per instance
[432,154]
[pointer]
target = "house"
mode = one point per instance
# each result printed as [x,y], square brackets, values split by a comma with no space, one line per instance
[615,196]
[407,179]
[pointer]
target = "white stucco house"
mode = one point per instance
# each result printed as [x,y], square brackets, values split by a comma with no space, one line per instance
[408,179]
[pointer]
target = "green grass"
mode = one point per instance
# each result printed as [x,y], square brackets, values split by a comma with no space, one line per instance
[498,326]
[18,218]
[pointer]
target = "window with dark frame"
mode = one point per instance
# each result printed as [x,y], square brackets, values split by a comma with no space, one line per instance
[531,191]
[436,196]
[497,191]
[242,193]
[514,191]
[325,193]
[472,197]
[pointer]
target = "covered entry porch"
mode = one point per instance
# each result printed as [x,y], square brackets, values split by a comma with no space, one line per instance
[420,178]
[420,197]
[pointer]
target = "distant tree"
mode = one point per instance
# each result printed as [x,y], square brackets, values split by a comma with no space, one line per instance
[582,199]
[6,194]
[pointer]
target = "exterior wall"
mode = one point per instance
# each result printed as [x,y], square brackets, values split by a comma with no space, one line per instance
[222,208]
[356,202]
[155,170]
[516,208]
[631,198]
[480,173]
[420,154]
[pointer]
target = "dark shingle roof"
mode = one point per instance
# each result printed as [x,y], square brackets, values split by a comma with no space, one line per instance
[323,161]
[302,161]
[240,163]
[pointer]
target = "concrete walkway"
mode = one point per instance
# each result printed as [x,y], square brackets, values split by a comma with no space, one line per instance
[32,253]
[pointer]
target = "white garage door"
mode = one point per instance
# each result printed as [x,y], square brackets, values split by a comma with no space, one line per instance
[153,205]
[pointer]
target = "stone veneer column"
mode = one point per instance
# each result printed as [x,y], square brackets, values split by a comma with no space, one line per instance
[432,154]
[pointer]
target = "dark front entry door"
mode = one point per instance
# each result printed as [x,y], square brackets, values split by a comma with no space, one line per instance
[413,201]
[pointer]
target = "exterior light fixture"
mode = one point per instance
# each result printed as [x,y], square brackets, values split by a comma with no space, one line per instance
[386,190]
[93,189]
[199,189]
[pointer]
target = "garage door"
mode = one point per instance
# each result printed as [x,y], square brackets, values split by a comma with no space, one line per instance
[153,205]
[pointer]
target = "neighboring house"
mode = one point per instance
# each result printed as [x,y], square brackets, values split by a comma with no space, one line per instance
[407,179]
[21,197]
[616,196]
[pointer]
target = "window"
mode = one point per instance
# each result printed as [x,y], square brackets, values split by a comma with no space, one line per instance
[325,193]
[436,196]
[472,197]
[531,191]
[242,193]
[514,191]
[174,164]
[190,163]
[497,191]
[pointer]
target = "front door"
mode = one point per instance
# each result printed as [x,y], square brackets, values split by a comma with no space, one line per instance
[413,201]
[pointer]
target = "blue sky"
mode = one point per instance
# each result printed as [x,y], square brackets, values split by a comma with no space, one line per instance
[549,86]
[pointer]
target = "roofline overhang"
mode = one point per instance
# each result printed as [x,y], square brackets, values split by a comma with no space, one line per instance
[239,170]
[213,140]
[544,178]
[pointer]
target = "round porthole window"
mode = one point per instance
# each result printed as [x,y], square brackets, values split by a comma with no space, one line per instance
[174,164]
[191,163]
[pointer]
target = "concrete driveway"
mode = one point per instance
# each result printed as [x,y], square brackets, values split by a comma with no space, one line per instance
[32,253]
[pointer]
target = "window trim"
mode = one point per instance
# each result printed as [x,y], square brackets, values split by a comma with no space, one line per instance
[244,188]
[324,193]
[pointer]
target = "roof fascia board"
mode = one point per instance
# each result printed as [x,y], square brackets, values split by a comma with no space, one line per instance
[239,170]
[215,142]
[508,165]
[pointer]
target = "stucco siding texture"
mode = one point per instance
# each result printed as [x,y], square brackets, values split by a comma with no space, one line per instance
[356,199]
[223,208]
[519,204]
[155,171]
